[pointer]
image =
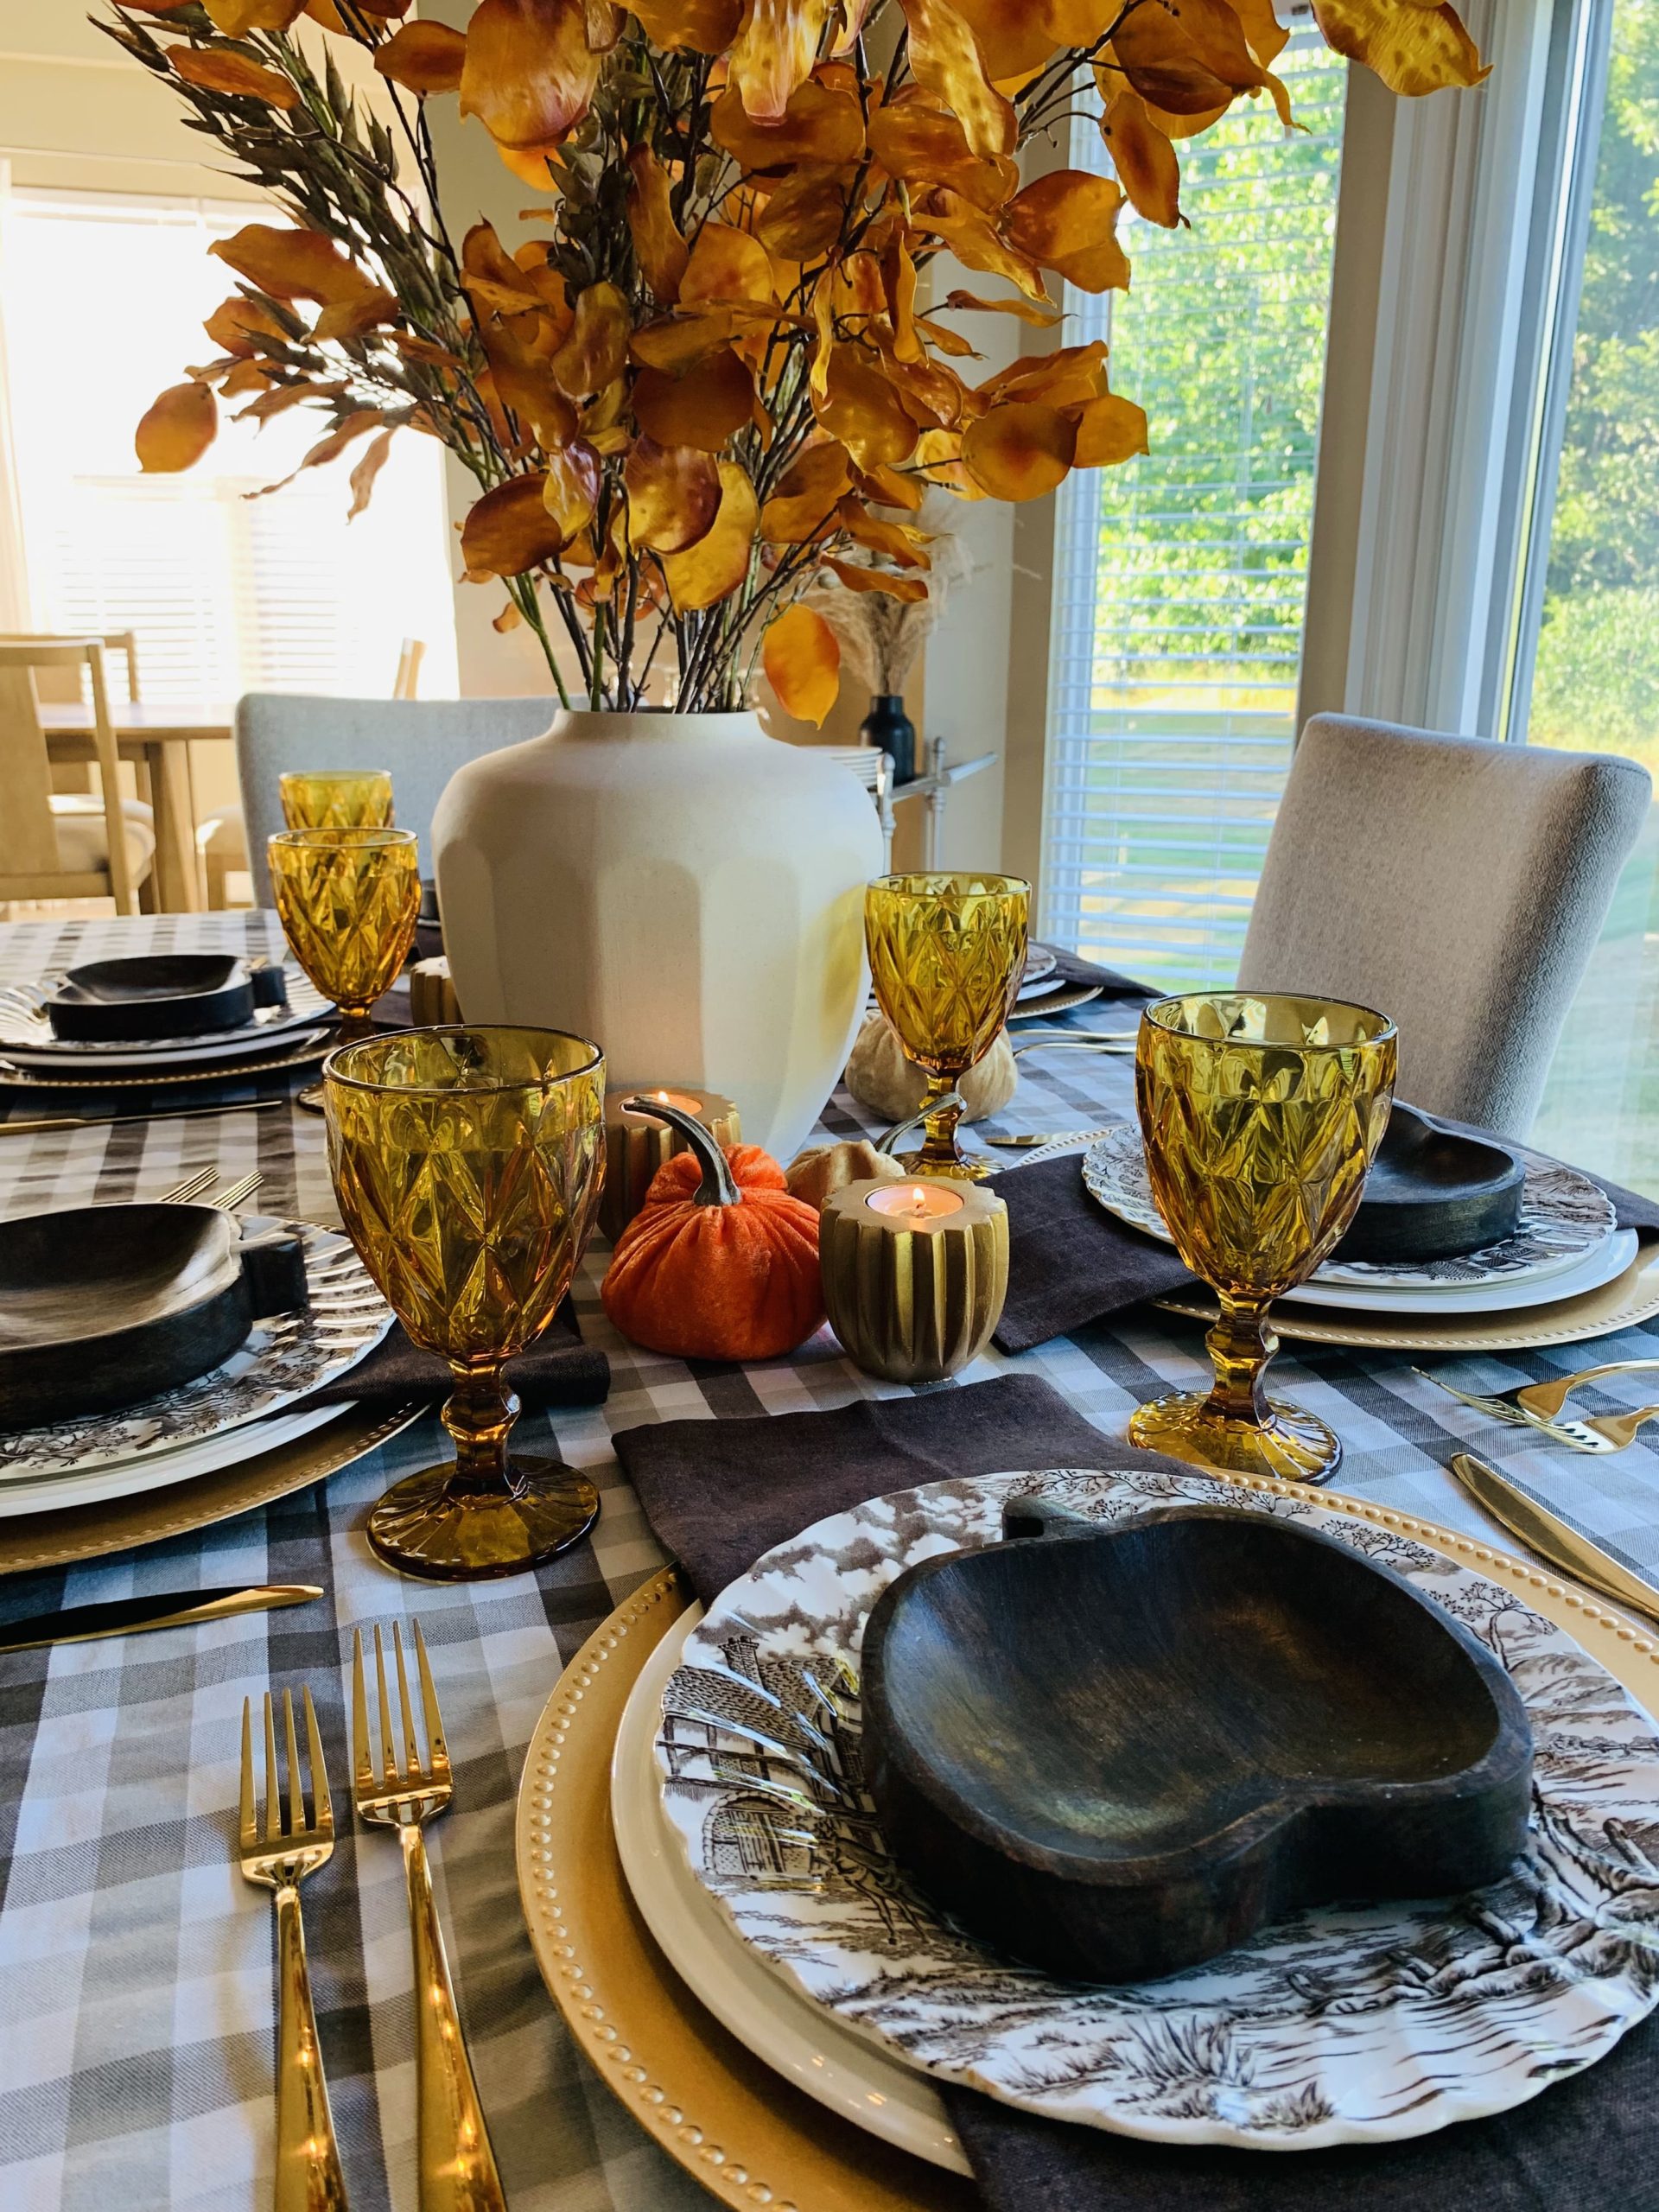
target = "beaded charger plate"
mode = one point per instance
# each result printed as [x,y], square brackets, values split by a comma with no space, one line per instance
[1342,2023]
[747,2137]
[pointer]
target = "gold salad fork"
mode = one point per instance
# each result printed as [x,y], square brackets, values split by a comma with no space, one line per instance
[457,2165]
[278,1855]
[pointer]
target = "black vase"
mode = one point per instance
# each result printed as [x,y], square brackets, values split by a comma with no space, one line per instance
[890,727]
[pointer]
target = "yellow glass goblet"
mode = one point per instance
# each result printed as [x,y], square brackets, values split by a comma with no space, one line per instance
[348,900]
[946,954]
[337,798]
[1260,1116]
[467,1164]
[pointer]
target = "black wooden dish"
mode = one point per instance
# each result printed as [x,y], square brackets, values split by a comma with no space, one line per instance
[1116,1751]
[1433,1193]
[104,1307]
[161,994]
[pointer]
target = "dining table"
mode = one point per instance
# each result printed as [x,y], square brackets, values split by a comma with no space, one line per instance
[157,739]
[136,1977]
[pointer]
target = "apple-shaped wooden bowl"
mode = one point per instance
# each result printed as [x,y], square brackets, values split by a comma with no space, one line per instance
[1114,1752]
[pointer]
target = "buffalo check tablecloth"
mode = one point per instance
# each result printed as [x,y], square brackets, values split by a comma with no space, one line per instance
[136,1999]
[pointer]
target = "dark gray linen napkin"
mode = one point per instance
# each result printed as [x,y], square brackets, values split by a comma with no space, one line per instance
[1076,970]
[719,1493]
[558,1370]
[1070,1262]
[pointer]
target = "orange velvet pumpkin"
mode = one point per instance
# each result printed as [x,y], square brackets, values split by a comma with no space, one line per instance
[720,1262]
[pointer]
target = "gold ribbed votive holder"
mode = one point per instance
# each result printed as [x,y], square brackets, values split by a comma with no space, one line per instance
[914,1274]
[635,1148]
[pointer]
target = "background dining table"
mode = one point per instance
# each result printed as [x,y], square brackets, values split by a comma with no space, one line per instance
[136,1979]
[158,739]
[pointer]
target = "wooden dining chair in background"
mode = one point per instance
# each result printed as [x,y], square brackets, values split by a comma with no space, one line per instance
[57,844]
[64,687]
[407,682]
[1457,884]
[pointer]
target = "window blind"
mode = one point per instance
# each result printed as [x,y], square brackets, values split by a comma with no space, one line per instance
[1181,577]
[227,592]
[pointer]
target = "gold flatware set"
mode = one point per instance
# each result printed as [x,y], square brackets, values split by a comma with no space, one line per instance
[1541,1406]
[401,1790]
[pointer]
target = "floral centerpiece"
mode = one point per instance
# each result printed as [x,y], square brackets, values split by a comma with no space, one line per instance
[718,369]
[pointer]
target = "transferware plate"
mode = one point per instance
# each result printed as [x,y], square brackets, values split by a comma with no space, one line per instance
[1356,2024]
[94,1531]
[1564,1218]
[283,1357]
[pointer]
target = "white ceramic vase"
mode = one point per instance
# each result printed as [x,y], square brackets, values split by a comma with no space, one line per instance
[682,888]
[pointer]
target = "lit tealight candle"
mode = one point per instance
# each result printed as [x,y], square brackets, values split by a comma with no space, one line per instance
[916,1204]
[914,1273]
[689,1101]
[636,1146]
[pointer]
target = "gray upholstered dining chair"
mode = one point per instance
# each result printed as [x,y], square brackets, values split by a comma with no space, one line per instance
[1456,884]
[421,741]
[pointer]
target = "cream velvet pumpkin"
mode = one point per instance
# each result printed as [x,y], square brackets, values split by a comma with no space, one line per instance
[879,1077]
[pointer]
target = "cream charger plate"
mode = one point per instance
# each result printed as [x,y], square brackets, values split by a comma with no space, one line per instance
[1626,1303]
[800,2041]
[1342,2024]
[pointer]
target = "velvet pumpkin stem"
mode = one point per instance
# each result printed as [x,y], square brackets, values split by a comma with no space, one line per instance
[719,1185]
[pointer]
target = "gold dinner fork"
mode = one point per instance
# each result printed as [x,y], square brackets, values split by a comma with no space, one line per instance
[457,2164]
[278,1856]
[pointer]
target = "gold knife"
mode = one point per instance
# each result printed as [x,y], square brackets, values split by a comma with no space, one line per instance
[132,1616]
[1551,1538]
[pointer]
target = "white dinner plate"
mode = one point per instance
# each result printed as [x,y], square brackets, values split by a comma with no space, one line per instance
[1342,2023]
[1044,987]
[1605,1264]
[53,1493]
[798,2040]
[1564,1216]
[283,1359]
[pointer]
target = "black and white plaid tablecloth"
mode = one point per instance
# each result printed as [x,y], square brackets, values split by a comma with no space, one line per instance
[136,1983]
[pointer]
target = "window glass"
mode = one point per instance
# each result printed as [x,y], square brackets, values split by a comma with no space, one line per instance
[1181,577]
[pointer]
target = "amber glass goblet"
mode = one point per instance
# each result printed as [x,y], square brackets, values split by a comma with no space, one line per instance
[1260,1116]
[946,954]
[348,900]
[337,798]
[467,1165]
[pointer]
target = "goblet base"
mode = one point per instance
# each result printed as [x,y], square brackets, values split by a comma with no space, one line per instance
[1292,1445]
[424,1526]
[959,1170]
[313,1099]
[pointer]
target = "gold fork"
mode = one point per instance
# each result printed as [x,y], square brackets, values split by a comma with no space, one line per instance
[457,2164]
[278,1857]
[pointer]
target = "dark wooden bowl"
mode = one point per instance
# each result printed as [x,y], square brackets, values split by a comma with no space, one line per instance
[1433,1193]
[1116,1752]
[161,995]
[105,1305]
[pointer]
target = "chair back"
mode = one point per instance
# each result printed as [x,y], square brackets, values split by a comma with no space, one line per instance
[30,864]
[62,686]
[421,741]
[1455,883]
[407,682]
[873,769]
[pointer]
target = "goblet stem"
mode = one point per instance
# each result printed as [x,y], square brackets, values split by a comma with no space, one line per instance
[938,1154]
[1241,1345]
[479,1415]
